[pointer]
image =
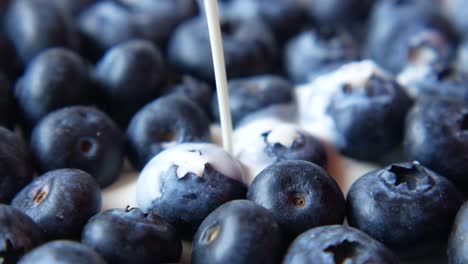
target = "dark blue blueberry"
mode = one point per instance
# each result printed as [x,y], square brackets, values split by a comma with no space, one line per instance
[196,90]
[313,51]
[370,116]
[8,116]
[131,236]
[16,169]
[33,26]
[166,121]
[437,136]
[455,12]
[337,244]
[406,206]
[185,183]
[250,94]
[62,252]
[130,75]
[60,202]
[18,234]
[79,137]
[56,78]
[249,48]
[337,12]
[10,63]
[458,244]
[402,32]
[238,232]
[462,56]
[300,195]
[72,7]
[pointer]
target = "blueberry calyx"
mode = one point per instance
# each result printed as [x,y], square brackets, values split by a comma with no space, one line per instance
[408,177]
[297,200]
[40,195]
[277,148]
[344,250]
[374,86]
[211,234]
[87,146]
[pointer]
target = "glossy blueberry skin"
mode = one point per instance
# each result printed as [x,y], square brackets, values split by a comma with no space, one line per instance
[309,52]
[130,236]
[458,245]
[337,12]
[60,202]
[238,232]
[249,48]
[18,234]
[33,26]
[196,90]
[62,252]
[7,103]
[394,26]
[251,94]
[56,78]
[130,75]
[337,244]
[370,117]
[79,137]
[300,195]
[163,122]
[16,169]
[436,135]
[406,206]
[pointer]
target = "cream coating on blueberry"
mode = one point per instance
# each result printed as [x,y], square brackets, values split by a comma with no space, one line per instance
[285,134]
[189,158]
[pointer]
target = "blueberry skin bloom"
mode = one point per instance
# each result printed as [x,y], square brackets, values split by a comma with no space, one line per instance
[406,206]
[16,169]
[300,195]
[130,75]
[33,26]
[56,78]
[238,232]
[436,135]
[79,137]
[185,183]
[369,113]
[130,236]
[458,244]
[166,121]
[18,234]
[251,94]
[249,48]
[62,252]
[337,244]
[60,202]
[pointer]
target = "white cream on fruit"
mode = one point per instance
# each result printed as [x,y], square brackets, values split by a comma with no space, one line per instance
[189,158]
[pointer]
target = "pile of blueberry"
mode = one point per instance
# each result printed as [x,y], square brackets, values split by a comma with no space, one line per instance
[86,84]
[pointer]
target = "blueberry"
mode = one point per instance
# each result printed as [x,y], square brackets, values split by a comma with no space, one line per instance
[369,111]
[312,51]
[454,11]
[187,182]
[7,103]
[265,141]
[60,201]
[166,121]
[406,206]
[337,244]
[62,252]
[72,7]
[337,12]
[16,169]
[103,25]
[249,48]
[462,56]
[458,244]
[251,94]
[130,75]
[18,234]
[238,232]
[79,137]
[284,17]
[33,26]
[196,90]
[130,236]
[300,195]
[436,135]
[56,78]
